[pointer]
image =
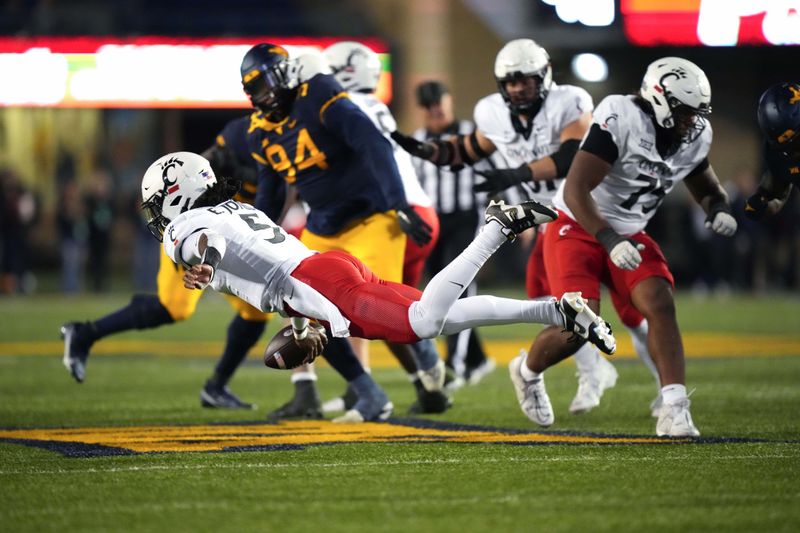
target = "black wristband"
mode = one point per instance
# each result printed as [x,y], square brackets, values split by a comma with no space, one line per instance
[720,206]
[608,238]
[212,257]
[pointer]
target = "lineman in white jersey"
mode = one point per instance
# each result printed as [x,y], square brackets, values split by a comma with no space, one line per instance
[637,149]
[357,68]
[536,125]
[237,249]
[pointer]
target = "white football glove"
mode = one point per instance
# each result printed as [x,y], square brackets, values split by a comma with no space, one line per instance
[626,256]
[723,223]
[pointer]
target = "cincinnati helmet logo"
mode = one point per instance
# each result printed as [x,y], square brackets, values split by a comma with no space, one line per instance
[165,173]
[677,73]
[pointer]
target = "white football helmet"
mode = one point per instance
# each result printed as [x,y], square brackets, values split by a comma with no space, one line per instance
[518,59]
[672,82]
[356,67]
[305,66]
[171,185]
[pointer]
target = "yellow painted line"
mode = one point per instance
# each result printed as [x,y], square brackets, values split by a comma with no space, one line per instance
[695,345]
[144,439]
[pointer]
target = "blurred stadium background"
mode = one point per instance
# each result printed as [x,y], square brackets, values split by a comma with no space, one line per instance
[93,91]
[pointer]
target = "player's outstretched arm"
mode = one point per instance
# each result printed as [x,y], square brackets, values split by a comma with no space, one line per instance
[550,167]
[769,198]
[708,192]
[454,151]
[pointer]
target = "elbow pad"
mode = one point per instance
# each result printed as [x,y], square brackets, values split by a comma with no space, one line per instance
[564,156]
[472,140]
[445,153]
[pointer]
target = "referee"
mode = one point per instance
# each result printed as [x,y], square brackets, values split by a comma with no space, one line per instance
[459,210]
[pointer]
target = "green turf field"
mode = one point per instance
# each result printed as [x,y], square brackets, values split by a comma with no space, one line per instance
[480,467]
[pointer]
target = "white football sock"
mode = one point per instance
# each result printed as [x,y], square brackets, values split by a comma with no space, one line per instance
[304,376]
[673,393]
[586,357]
[487,310]
[527,373]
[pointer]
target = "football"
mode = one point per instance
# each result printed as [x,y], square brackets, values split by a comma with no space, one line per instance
[282,352]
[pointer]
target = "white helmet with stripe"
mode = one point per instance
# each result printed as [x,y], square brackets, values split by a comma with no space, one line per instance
[673,82]
[356,67]
[171,185]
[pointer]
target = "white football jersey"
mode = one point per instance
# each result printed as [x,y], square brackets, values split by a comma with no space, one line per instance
[259,258]
[564,104]
[384,121]
[639,178]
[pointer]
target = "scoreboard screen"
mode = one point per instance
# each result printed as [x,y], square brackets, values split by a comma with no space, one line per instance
[141,72]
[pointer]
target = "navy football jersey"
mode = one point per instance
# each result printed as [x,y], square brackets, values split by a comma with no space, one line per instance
[782,168]
[341,164]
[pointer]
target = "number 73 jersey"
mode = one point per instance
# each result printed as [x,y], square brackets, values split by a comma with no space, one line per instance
[259,255]
[640,178]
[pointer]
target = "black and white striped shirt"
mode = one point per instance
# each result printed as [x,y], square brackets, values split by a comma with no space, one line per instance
[451,191]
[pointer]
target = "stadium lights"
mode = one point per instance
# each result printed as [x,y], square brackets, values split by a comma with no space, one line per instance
[586,12]
[590,67]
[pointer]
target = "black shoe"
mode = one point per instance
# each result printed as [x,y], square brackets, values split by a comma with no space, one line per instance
[305,404]
[76,348]
[514,219]
[429,402]
[222,398]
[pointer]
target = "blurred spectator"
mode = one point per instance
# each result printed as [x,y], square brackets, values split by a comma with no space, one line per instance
[133,146]
[747,264]
[99,216]
[72,231]
[19,212]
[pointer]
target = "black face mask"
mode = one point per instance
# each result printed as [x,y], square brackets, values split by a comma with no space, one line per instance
[156,222]
[268,93]
[668,141]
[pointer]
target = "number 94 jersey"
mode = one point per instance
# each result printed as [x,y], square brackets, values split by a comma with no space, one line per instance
[640,177]
[259,255]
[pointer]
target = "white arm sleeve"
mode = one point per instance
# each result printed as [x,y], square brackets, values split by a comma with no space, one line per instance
[190,247]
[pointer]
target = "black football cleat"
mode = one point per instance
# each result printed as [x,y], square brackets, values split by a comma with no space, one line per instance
[514,219]
[305,405]
[580,320]
[214,396]
[76,348]
[429,402]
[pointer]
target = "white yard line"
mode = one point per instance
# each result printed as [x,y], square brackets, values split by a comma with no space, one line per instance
[304,465]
